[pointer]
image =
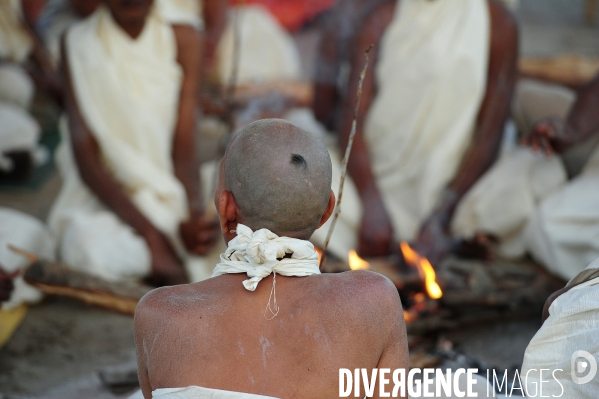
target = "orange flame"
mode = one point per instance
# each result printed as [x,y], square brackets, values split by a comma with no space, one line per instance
[409,316]
[355,262]
[319,252]
[424,268]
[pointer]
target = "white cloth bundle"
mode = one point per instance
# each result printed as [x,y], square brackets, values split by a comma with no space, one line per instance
[262,252]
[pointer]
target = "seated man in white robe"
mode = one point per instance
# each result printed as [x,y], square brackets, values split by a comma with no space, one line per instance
[545,204]
[131,205]
[236,335]
[431,117]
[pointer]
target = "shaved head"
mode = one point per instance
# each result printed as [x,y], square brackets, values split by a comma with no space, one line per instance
[280,177]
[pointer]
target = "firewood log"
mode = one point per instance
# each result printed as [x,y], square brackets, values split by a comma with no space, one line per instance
[57,279]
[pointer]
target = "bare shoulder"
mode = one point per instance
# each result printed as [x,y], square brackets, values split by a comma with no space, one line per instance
[363,293]
[168,302]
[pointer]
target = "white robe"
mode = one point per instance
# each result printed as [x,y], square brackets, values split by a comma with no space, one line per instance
[128,94]
[431,79]
[18,129]
[572,326]
[527,202]
[27,233]
[194,392]
[15,43]
[266,51]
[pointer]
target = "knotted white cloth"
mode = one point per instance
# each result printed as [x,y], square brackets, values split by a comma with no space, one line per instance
[262,252]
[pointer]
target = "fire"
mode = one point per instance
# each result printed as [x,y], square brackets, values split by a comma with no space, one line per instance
[319,252]
[424,268]
[355,262]
[408,316]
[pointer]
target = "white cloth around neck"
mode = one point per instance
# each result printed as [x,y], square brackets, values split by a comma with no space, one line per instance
[262,252]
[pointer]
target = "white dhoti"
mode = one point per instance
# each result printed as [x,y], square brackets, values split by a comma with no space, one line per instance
[194,392]
[128,94]
[526,201]
[431,79]
[18,130]
[571,327]
[27,233]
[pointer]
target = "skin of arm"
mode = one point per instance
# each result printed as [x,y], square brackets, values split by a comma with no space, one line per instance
[215,19]
[555,135]
[376,232]
[338,33]
[142,316]
[434,240]
[87,156]
[199,233]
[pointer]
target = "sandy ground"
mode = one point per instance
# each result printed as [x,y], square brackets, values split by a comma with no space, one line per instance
[61,346]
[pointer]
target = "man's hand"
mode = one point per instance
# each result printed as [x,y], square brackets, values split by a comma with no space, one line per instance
[6,284]
[376,232]
[434,240]
[199,233]
[549,135]
[167,269]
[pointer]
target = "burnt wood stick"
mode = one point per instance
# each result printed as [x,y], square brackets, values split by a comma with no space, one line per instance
[57,279]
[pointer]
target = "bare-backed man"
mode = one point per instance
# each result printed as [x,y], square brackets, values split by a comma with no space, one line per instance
[269,323]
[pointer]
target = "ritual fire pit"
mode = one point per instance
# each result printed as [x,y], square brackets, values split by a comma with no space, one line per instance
[458,292]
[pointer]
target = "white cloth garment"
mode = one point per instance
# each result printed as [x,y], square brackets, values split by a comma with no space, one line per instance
[128,93]
[195,392]
[266,51]
[431,78]
[262,252]
[183,12]
[18,132]
[15,42]
[527,202]
[29,234]
[572,326]
[16,87]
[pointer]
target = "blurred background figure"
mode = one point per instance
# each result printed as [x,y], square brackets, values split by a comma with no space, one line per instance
[545,204]
[430,123]
[23,65]
[131,205]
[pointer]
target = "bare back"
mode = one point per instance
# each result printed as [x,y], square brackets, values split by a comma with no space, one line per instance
[214,334]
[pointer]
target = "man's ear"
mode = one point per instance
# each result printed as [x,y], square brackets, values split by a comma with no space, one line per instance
[329,211]
[228,214]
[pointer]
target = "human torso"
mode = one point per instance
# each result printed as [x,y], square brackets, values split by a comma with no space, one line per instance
[430,76]
[217,336]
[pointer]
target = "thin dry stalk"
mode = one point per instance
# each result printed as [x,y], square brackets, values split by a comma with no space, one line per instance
[230,92]
[350,143]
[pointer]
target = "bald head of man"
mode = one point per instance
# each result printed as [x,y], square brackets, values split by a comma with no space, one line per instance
[275,176]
